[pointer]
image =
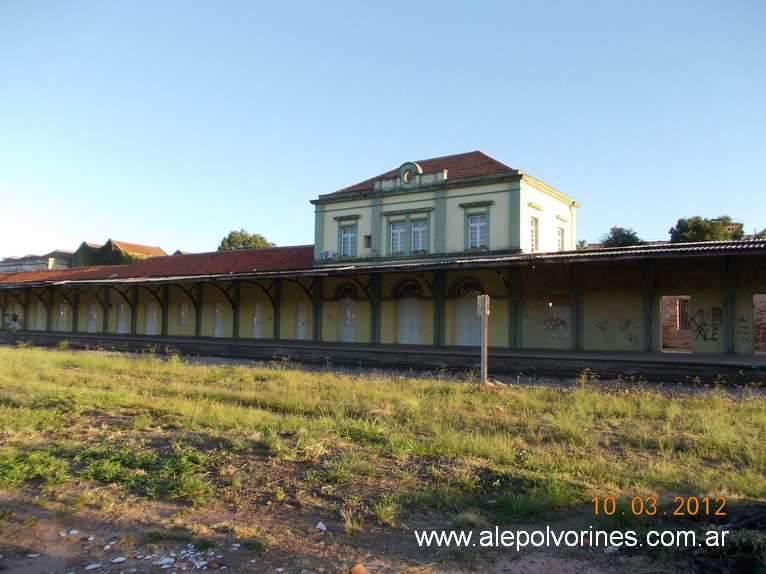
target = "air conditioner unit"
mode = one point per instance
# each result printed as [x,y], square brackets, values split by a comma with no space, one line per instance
[329,254]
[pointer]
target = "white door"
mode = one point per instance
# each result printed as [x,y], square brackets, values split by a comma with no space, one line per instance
[347,320]
[257,320]
[151,319]
[121,318]
[92,317]
[300,321]
[63,317]
[40,317]
[409,321]
[467,322]
[217,320]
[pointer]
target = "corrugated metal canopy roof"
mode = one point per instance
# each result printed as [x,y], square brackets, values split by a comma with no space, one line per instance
[298,261]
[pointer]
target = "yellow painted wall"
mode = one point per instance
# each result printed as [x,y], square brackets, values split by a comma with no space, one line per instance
[362,208]
[249,295]
[498,216]
[292,294]
[538,284]
[555,214]
[176,298]
[117,297]
[613,308]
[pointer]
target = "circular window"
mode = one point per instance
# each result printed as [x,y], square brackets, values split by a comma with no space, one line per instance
[408,171]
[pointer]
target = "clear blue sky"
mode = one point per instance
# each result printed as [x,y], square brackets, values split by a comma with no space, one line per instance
[172,123]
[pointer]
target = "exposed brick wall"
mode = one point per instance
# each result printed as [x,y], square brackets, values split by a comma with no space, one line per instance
[673,337]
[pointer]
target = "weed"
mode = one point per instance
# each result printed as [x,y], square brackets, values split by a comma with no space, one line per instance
[18,467]
[256,544]
[469,520]
[353,522]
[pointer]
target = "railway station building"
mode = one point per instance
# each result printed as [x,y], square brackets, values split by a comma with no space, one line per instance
[399,259]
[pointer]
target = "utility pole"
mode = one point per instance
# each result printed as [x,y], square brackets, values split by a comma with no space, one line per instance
[482,309]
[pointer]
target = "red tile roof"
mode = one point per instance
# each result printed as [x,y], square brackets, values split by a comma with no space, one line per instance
[246,261]
[469,164]
[293,258]
[73,274]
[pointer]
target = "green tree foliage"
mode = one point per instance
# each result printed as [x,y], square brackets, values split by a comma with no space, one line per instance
[700,229]
[620,237]
[243,240]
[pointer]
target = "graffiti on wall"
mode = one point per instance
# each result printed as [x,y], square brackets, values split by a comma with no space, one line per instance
[707,323]
[558,327]
[559,316]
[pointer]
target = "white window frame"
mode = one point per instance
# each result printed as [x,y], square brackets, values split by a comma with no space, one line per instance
[397,237]
[478,230]
[348,240]
[534,231]
[419,236]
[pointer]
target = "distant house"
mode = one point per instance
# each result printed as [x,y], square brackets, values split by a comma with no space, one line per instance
[58,259]
[113,253]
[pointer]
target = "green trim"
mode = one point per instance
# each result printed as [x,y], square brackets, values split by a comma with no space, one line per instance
[377,222]
[440,221]
[164,312]
[408,211]
[514,217]
[474,204]
[347,217]
[319,233]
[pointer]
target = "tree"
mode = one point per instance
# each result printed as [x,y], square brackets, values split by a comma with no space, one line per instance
[700,229]
[243,240]
[620,237]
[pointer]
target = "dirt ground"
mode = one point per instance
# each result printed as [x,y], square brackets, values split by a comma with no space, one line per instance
[39,535]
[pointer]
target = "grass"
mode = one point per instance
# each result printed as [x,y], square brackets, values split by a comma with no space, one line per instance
[399,444]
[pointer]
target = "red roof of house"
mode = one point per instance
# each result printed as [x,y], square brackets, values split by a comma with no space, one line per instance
[469,164]
[138,249]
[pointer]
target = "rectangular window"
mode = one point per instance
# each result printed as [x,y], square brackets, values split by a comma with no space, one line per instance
[348,241]
[533,234]
[397,237]
[420,236]
[368,241]
[183,314]
[477,231]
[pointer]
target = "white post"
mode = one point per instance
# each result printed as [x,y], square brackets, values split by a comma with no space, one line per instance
[482,308]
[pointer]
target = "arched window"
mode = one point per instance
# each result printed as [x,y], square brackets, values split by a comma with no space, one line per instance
[410,289]
[346,292]
[468,288]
